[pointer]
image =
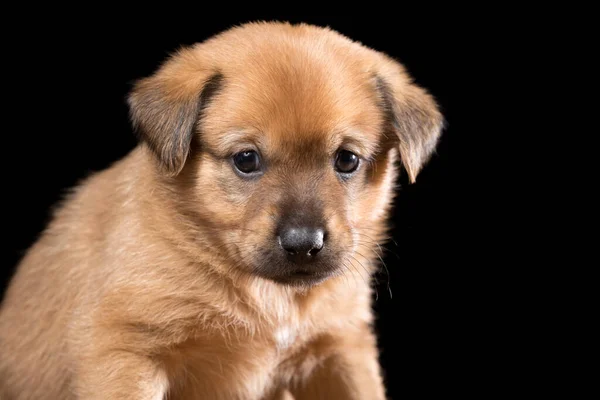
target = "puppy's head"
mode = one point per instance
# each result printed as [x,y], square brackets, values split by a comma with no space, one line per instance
[280,143]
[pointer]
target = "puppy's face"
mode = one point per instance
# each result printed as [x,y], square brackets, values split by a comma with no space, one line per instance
[286,138]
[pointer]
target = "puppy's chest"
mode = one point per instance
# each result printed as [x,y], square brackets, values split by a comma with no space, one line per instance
[284,337]
[243,364]
[249,361]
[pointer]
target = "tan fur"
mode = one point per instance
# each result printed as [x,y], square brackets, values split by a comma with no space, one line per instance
[143,284]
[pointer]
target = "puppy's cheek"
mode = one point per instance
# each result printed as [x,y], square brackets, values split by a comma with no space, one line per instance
[256,240]
[220,195]
[340,232]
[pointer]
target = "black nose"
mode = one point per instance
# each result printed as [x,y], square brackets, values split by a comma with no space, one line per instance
[301,243]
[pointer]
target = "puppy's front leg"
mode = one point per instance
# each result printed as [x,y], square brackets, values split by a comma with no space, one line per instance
[119,375]
[351,372]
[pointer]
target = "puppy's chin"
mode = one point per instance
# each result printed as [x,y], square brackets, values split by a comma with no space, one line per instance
[302,278]
[304,275]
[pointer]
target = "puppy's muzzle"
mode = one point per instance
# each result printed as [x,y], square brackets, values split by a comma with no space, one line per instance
[301,243]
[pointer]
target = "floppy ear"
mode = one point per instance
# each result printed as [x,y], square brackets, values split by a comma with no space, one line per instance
[413,115]
[165,108]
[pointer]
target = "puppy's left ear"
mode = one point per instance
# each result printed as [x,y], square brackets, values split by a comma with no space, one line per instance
[165,108]
[412,114]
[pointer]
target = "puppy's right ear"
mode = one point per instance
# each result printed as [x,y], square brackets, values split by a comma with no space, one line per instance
[165,108]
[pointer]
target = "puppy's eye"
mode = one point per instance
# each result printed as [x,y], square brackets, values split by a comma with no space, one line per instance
[346,162]
[247,161]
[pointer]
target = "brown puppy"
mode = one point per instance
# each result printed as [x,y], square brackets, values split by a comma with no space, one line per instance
[229,255]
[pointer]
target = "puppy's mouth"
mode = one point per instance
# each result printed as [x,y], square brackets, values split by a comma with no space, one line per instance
[302,277]
[296,268]
[303,273]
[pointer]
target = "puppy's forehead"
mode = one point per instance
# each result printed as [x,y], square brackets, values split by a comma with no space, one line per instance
[302,93]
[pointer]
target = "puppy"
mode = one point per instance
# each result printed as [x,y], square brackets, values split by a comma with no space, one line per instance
[229,255]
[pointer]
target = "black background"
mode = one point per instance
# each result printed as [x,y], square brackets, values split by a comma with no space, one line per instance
[66,118]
